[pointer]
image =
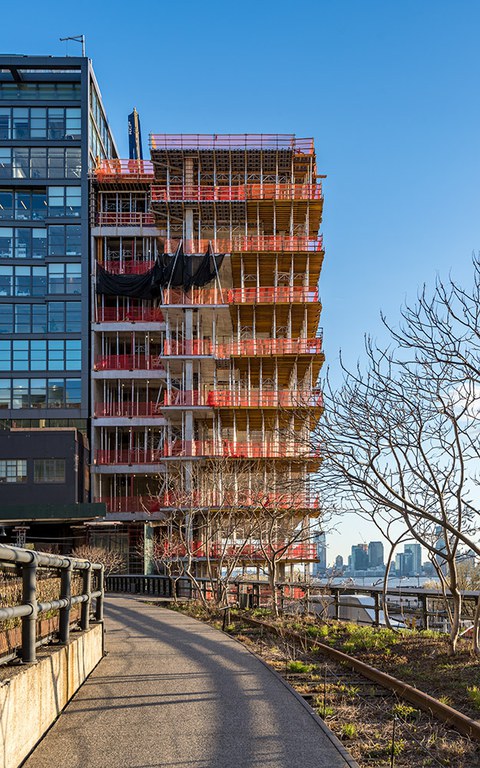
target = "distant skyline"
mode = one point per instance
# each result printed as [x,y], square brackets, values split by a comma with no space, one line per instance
[389,91]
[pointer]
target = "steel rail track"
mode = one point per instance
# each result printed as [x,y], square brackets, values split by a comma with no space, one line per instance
[448,715]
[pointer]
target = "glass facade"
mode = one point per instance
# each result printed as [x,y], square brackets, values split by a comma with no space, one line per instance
[50,124]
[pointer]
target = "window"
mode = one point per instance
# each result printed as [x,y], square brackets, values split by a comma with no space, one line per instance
[13,471]
[5,160]
[64,278]
[40,393]
[39,354]
[64,240]
[40,91]
[6,318]
[6,204]
[64,201]
[29,204]
[64,317]
[6,242]
[49,471]
[30,318]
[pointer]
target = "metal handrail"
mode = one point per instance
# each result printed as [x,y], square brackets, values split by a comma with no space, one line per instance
[29,609]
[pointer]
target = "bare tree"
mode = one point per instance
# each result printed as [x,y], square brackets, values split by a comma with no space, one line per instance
[402,435]
[112,560]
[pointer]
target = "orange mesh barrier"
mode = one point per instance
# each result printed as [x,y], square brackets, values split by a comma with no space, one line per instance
[265,141]
[172,192]
[129,315]
[128,363]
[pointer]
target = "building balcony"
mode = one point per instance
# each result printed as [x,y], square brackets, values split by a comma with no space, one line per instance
[204,449]
[128,363]
[264,399]
[243,348]
[282,294]
[231,141]
[129,315]
[241,192]
[243,552]
[128,267]
[118,171]
[123,219]
[206,500]
[250,243]
[128,410]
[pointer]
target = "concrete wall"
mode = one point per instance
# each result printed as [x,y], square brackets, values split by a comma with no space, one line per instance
[33,697]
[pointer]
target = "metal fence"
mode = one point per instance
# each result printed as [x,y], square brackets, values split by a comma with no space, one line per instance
[28,564]
[418,608]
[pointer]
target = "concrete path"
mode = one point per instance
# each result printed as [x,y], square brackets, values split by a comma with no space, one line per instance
[173,692]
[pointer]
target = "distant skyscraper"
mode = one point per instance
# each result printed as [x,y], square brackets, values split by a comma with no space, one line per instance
[375,554]
[416,551]
[338,563]
[321,544]
[359,557]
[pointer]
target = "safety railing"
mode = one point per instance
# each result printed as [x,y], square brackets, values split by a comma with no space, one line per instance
[129,315]
[29,610]
[124,170]
[282,294]
[127,410]
[206,499]
[247,347]
[123,219]
[204,449]
[128,363]
[241,141]
[240,192]
[128,267]
[252,398]
[248,243]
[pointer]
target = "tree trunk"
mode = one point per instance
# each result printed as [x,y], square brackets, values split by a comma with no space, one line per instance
[476,629]
[385,588]
[272,578]
[457,608]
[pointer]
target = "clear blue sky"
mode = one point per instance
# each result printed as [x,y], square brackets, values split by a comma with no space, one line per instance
[388,88]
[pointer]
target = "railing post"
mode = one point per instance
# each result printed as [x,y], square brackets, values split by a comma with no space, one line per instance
[29,623]
[65,594]
[376,598]
[100,598]
[86,590]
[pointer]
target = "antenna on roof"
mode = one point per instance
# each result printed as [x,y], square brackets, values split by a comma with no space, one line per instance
[78,39]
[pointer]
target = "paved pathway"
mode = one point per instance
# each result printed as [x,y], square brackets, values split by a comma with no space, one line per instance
[173,692]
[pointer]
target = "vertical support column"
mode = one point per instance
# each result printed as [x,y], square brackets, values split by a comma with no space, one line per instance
[100,598]
[86,590]
[29,623]
[147,549]
[65,594]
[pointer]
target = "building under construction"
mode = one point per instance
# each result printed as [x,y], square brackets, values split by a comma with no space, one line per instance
[206,345]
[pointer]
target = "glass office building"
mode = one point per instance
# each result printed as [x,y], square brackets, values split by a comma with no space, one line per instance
[52,128]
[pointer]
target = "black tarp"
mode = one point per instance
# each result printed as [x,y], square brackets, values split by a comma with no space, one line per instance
[173,270]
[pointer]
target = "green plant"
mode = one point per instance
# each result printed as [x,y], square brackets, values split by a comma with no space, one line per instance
[299,666]
[474,695]
[405,711]
[325,711]
[349,731]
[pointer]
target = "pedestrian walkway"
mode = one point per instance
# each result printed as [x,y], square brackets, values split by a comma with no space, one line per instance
[175,693]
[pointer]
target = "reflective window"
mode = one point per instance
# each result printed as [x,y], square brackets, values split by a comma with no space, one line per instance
[64,201]
[5,123]
[64,317]
[40,91]
[6,242]
[13,470]
[38,393]
[64,240]
[6,204]
[5,162]
[5,356]
[6,318]
[49,471]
